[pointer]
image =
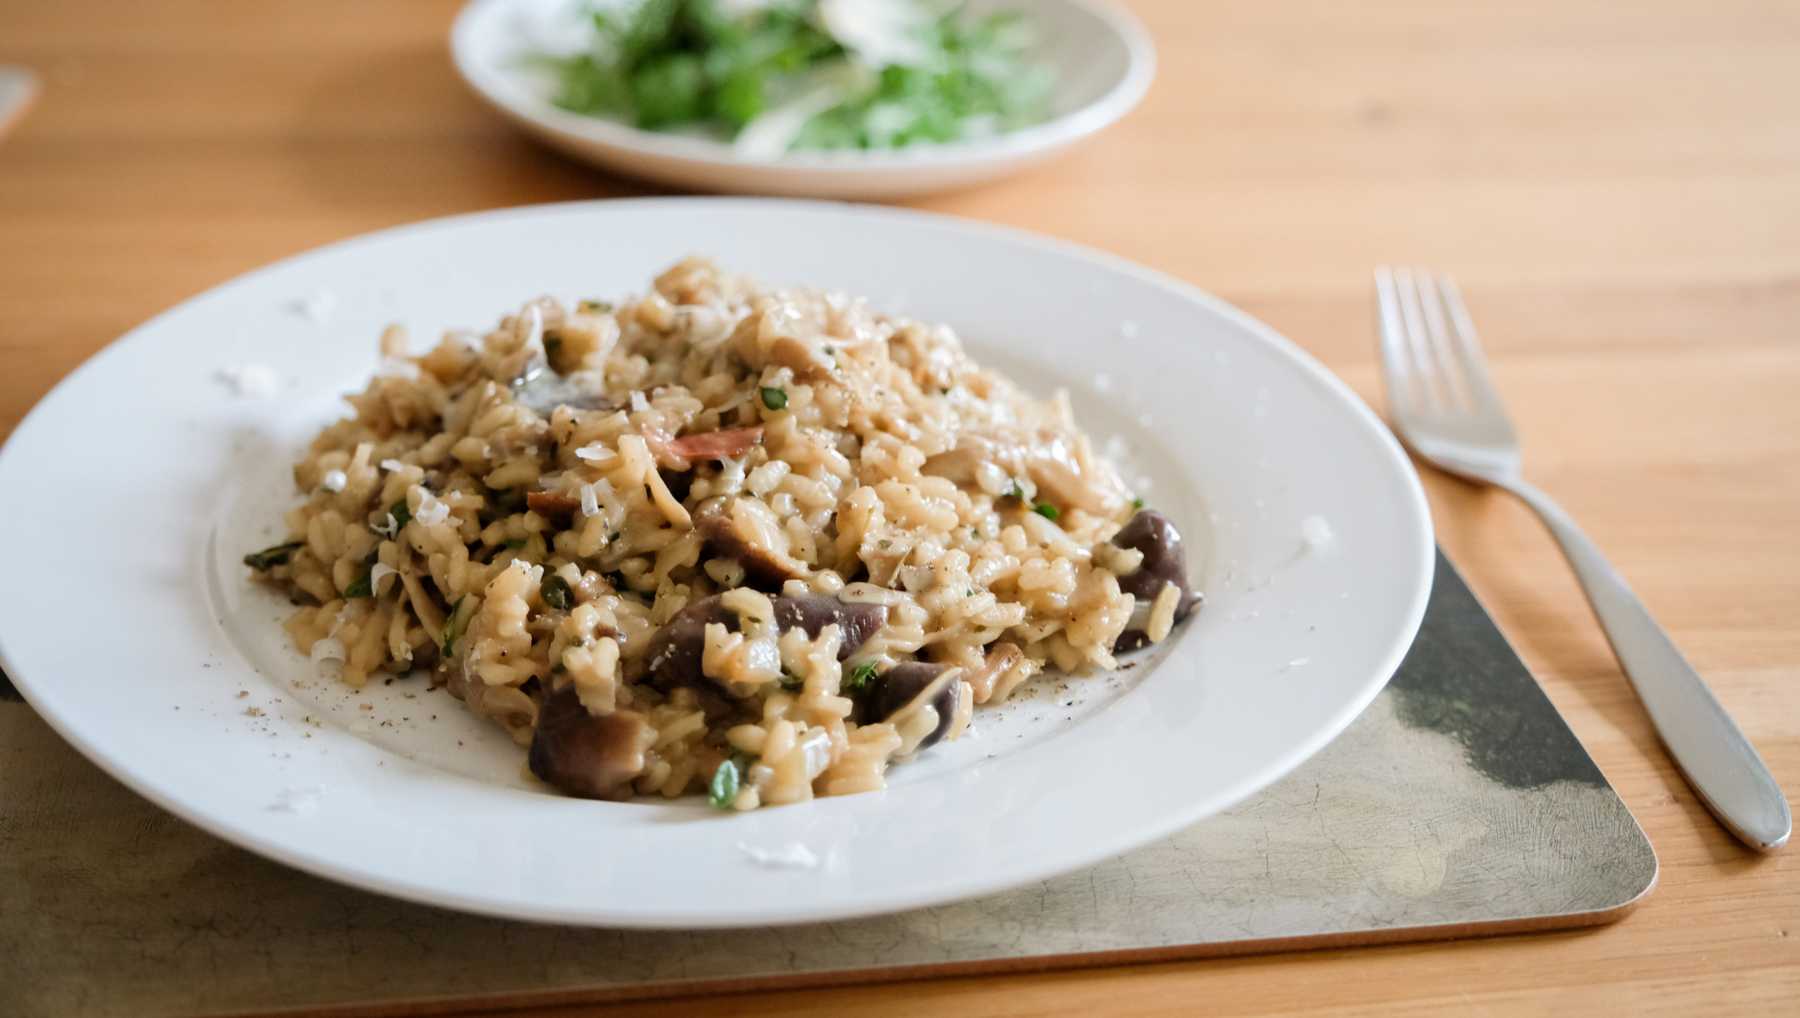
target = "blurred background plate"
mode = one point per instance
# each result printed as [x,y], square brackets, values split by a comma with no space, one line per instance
[1101,56]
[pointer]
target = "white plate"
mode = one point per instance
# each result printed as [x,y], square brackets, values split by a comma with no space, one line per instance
[133,489]
[1103,59]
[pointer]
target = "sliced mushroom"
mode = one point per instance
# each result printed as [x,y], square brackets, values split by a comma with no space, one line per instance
[674,653]
[542,390]
[592,756]
[1001,659]
[1060,468]
[553,506]
[1165,561]
[905,691]
[715,445]
[679,482]
[748,532]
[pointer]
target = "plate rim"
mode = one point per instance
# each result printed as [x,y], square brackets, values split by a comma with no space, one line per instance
[224,824]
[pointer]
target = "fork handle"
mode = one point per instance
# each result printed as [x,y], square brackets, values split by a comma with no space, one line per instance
[1707,745]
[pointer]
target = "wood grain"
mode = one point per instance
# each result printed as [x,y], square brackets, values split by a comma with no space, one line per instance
[1617,188]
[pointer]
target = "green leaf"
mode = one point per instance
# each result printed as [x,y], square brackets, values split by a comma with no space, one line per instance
[668,63]
[1136,504]
[586,85]
[740,97]
[401,514]
[723,789]
[859,679]
[774,399]
[269,558]
[360,587]
[453,626]
[556,592]
[649,30]
[1046,510]
[669,90]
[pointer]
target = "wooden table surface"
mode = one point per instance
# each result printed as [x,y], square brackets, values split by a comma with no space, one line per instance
[1617,187]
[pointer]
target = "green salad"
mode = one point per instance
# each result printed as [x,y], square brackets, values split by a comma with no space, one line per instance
[775,76]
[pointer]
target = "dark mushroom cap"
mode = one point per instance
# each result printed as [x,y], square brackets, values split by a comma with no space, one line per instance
[764,569]
[914,685]
[592,756]
[1165,562]
[675,650]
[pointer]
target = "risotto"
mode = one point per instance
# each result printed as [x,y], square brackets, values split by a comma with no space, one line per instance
[756,544]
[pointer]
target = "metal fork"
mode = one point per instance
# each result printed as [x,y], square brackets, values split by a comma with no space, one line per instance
[1445,406]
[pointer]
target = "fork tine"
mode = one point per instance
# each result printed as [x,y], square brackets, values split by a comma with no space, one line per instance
[1467,344]
[1451,361]
[1396,361]
[1418,343]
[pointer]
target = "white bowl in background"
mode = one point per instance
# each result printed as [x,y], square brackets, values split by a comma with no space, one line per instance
[1102,56]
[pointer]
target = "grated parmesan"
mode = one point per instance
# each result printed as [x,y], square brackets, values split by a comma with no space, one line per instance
[792,855]
[431,511]
[376,572]
[256,381]
[334,480]
[316,308]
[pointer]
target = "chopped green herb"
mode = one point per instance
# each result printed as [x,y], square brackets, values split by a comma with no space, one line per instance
[1136,504]
[859,679]
[1046,510]
[516,543]
[556,593]
[774,399]
[1015,492]
[401,514]
[596,306]
[453,626]
[791,682]
[269,558]
[360,587]
[723,789]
